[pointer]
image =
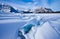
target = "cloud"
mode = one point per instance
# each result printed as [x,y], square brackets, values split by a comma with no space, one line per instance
[54,4]
[16,6]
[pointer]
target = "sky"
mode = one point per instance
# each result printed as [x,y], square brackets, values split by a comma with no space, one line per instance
[32,4]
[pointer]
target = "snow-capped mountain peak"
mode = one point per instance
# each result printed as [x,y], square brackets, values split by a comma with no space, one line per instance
[7,8]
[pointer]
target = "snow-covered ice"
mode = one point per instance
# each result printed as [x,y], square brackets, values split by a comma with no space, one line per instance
[43,26]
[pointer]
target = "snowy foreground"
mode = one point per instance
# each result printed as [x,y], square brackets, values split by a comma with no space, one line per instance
[29,26]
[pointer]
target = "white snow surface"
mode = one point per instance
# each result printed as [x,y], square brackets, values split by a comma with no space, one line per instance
[49,27]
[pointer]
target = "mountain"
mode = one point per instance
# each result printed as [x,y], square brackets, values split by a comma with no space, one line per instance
[43,10]
[7,8]
[57,12]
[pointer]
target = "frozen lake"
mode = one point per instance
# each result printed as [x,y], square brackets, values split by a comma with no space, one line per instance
[49,27]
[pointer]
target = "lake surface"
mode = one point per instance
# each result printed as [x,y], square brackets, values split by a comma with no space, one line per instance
[11,22]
